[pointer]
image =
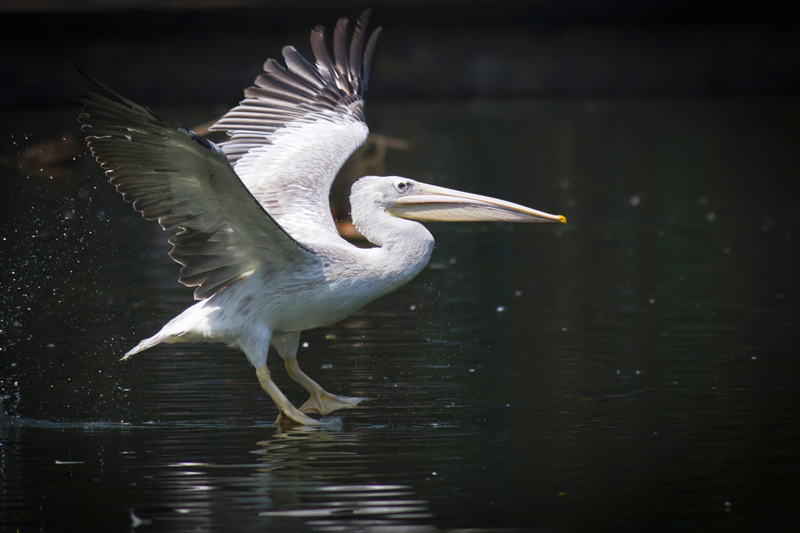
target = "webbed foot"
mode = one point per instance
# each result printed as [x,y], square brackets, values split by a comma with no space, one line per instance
[324,403]
[294,416]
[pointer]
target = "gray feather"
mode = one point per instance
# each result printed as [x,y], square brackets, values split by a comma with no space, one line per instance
[185,182]
[340,53]
[298,66]
[369,56]
[324,63]
[357,51]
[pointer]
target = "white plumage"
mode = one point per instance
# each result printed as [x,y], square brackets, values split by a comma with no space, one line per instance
[256,236]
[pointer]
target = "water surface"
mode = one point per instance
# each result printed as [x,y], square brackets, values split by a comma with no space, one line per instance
[634,369]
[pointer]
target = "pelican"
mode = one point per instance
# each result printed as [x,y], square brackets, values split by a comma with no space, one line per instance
[256,237]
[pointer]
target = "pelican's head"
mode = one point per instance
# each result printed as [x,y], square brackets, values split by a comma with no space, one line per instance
[406,198]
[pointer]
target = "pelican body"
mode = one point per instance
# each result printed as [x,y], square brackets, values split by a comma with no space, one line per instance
[255,232]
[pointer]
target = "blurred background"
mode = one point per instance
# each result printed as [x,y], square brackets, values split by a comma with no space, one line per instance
[205,50]
[634,369]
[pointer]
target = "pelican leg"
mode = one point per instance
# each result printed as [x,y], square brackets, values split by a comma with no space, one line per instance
[321,402]
[287,410]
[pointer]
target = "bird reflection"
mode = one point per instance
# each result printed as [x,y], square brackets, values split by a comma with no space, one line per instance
[311,477]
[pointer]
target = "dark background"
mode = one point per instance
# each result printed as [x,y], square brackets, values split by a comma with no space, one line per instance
[174,52]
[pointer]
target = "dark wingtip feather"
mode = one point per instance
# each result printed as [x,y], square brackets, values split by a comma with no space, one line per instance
[369,55]
[323,58]
[340,50]
[298,66]
[357,51]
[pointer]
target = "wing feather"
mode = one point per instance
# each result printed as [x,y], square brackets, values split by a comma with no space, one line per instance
[340,53]
[369,56]
[300,67]
[280,74]
[186,182]
[298,125]
[323,57]
[357,51]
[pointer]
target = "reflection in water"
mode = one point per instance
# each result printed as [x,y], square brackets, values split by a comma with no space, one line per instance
[314,470]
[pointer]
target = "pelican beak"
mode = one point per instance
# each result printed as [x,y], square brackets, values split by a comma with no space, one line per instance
[429,203]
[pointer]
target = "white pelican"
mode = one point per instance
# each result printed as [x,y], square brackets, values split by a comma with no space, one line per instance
[256,235]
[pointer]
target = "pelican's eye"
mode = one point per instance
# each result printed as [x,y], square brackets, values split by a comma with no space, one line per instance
[402,186]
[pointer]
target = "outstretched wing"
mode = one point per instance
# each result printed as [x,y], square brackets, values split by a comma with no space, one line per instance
[299,124]
[185,182]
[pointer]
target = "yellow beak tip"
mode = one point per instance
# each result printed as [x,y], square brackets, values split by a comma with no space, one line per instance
[563,219]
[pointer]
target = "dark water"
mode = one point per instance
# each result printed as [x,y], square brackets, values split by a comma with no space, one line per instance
[636,369]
